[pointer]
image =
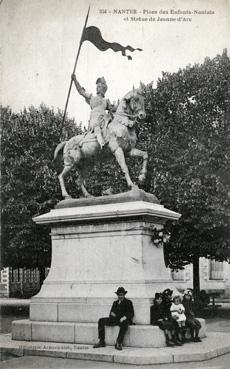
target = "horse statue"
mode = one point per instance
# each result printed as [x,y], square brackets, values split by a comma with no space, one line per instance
[82,151]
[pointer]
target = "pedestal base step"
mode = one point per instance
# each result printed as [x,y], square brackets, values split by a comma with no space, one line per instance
[86,333]
[214,345]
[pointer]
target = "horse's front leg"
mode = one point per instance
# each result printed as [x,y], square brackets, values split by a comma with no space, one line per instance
[144,156]
[119,155]
[81,183]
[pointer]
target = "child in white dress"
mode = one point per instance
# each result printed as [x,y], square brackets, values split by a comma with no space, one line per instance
[177,312]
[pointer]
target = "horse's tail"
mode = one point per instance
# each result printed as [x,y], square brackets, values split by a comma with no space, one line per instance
[59,147]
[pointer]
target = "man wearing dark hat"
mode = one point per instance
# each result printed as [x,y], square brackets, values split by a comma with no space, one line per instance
[121,314]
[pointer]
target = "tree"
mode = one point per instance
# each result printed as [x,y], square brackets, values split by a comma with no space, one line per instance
[29,182]
[189,125]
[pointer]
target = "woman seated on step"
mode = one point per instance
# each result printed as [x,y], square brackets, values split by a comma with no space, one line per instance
[158,317]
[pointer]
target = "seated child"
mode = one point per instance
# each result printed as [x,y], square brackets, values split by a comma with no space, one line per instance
[191,322]
[166,304]
[177,312]
[158,317]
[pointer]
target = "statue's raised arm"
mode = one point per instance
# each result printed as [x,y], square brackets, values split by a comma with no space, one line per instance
[81,90]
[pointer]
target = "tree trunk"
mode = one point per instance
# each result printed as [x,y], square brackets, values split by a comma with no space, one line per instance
[196,279]
[42,274]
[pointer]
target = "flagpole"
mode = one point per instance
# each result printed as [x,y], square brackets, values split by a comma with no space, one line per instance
[75,65]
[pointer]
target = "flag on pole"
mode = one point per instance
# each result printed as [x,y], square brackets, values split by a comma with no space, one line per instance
[93,34]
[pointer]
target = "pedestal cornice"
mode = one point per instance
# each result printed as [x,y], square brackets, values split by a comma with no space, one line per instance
[130,205]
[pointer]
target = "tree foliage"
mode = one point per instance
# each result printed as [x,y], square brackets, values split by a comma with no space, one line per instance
[29,182]
[188,117]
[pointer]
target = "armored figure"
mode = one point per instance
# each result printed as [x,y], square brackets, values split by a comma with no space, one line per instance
[101,108]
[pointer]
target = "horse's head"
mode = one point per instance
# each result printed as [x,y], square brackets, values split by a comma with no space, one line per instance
[134,104]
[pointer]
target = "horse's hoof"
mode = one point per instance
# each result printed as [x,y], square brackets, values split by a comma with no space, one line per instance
[134,188]
[141,178]
[68,197]
[89,196]
[107,192]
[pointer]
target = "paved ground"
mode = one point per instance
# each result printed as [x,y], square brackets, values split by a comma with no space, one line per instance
[12,309]
[35,362]
[5,301]
[218,325]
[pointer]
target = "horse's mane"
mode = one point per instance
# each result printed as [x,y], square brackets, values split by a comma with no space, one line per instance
[123,105]
[133,92]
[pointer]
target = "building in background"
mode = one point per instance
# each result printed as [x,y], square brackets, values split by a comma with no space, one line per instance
[214,277]
[4,282]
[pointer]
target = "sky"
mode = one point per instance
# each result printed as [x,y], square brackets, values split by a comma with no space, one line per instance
[40,38]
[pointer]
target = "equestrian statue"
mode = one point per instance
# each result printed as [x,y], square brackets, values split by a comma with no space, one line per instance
[111,132]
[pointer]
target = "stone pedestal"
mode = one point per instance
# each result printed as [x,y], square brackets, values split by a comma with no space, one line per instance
[98,245]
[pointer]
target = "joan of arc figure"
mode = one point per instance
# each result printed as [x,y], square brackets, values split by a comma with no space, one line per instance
[100,106]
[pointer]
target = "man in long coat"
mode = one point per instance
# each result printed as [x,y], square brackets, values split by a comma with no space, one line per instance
[121,314]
